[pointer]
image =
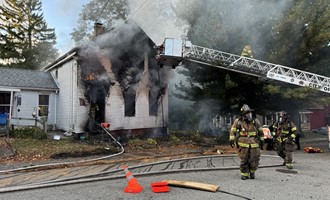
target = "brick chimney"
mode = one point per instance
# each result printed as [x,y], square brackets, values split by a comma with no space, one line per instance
[98,29]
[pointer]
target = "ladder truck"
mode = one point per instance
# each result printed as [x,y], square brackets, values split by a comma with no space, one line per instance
[174,51]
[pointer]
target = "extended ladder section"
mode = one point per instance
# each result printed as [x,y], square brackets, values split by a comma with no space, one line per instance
[173,51]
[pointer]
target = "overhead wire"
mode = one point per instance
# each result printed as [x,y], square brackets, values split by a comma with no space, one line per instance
[100,13]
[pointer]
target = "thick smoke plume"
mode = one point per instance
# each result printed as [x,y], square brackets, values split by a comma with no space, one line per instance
[120,57]
[225,25]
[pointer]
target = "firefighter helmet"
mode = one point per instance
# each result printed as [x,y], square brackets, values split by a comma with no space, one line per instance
[282,116]
[245,109]
[247,112]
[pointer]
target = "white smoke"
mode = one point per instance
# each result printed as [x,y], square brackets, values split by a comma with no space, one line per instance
[158,19]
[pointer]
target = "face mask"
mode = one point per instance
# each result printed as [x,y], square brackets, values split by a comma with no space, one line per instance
[281,119]
[248,116]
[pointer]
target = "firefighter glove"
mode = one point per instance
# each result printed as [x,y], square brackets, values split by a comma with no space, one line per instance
[232,141]
[292,138]
[273,134]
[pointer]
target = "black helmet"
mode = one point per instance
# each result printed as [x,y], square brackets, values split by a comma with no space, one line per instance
[247,112]
[282,116]
[245,109]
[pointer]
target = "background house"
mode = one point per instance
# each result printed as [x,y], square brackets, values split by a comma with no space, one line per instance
[24,92]
[313,118]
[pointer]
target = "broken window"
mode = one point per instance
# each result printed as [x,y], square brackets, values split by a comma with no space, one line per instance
[43,105]
[129,104]
[4,102]
[153,105]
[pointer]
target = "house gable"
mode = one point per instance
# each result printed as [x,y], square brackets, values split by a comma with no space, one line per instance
[113,74]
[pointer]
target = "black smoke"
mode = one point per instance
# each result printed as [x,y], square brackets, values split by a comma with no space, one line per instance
[126,48]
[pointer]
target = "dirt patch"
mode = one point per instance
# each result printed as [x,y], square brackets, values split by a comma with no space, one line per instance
[5,148]
[52,150]
[142,149]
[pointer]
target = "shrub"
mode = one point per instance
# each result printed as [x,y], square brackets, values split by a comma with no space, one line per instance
[29,133]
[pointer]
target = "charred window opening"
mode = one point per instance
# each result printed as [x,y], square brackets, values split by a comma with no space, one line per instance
[153,103]
[158,86]
[130,103]
[97,84]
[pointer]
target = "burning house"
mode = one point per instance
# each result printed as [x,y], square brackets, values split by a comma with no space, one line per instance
[115,79]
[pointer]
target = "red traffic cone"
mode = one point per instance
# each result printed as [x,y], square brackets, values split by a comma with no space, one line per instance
[133,185]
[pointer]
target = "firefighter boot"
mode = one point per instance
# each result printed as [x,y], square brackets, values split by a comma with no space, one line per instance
[252,175]
[289,165]
[244,177]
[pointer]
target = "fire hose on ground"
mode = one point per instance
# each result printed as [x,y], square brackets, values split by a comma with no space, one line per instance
[71,163]
[96,176]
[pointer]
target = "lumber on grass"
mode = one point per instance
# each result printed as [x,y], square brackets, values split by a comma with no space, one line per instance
[193,185]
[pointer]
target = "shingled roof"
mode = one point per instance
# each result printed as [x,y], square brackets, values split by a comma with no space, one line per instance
[26,79]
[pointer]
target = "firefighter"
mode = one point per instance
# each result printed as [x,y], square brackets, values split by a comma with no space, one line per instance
[284,133]
[246,133]
[247,51]
[268,138]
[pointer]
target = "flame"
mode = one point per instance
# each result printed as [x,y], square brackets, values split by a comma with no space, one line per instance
[91,77]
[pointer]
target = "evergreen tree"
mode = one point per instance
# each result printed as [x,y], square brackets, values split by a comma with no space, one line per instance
[301,39]
[26,41]
[230,25]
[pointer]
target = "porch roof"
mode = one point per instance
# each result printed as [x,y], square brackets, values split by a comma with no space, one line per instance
[26,79]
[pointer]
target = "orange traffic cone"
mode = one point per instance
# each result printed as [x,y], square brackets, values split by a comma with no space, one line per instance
[133,185]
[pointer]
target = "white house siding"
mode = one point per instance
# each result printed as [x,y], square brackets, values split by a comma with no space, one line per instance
[70,115]
[52,109]
[66,81]
[115,111]
[22,114]
[115,108]
[81,111]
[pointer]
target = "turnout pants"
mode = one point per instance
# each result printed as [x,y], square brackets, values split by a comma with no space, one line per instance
[285,150]
[249,159]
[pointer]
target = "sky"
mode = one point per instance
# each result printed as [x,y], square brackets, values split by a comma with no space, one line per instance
[63,16]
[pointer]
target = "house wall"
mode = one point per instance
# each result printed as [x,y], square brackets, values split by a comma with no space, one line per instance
[70,115]
[81,109]
[22,114]
[115,110]
[319,117]
[72,108]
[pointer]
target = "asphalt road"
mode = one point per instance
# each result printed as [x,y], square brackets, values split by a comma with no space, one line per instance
[310,179]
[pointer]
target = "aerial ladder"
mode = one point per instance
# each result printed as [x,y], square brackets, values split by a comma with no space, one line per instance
[174,51]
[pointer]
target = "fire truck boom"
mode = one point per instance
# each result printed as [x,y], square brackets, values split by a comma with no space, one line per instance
[174,51]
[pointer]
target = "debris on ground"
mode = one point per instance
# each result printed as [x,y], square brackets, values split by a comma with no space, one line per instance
[193,185]
[287,171]
[313,150]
